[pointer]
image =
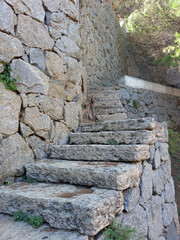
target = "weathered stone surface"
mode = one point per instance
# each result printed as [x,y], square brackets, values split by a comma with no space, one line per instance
[71,8]
[7,18]
[71,115]
[117,176]
[131,198]
[146,182]
[74,32]
[57,89]
[67,46]
[37,59]
[168,214]
[58,25]
[54,65]
[38,146]
[30,7]
[112,117]
[169,193]
[154,217]
[32,79]
[1,68]
[138,220]
[39,122]
[119,137]
[129,124]
[10,47]
[63,206]
[163,149]
[24,99]
[172,232]
[27,32]
[11,230]
[129,153]
[14,153]
[159,181]
[176,218]
[52,6]
[25,130]
[61,134]
[156,160]
[10,105]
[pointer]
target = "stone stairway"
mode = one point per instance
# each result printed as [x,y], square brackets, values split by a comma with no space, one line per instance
[80,187]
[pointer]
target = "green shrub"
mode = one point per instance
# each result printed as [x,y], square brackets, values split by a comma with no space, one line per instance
[112,142]
[135,104]
[20,216]
[35,221]
[174,141]
[7,80]
[25,179]
[117,231]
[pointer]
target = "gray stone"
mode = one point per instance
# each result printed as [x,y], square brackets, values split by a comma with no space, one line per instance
[131,198]
[14,153]
[117,176]
[172,232]
[169,193]
[37,59]
[27,32]
[58,25]
[52,6]
[119,137]
[154,217]
[10,105]
[12,230]
[74,32]
[129,124]
[73,71]
[176,218]
[61,134]
[71,115]
[10,47]
[168,214]
[25,130]
[54,65]
[163,149]
[1,67]
[32,79]
[112,117]
[159,181]
[156,160]
[152,151]
[7,18]
[30,7]
[146,182]
[67,46]
[39,122]
[24,99]
[63,206]
[129,153]
[138,220]
[57,88]
[70,8]
[38,146]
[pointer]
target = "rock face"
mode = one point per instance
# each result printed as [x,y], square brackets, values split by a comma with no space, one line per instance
[10,105]
[14,153]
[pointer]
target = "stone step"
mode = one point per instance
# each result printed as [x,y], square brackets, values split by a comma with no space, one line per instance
[107,111]
[64,206]
[112,117]
[121,125]
[109,175]
[121,153]
[118,137]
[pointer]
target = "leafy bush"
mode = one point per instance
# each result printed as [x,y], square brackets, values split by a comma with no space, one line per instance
[117,231]
[135,104]
[35,221]
[112,142]
[25,179]
[7,80]
[174,141]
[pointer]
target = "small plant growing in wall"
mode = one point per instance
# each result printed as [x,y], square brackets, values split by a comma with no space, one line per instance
[135,104]
[112,142]
[7,80]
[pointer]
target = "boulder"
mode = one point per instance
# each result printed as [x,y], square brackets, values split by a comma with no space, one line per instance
[10,105]
[14,153]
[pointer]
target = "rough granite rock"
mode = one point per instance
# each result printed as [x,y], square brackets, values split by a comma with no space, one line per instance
[63,206]
[169,192]
[119,137]
[10,105]
[11,230]
[14,153]
[71,115]
[73,71]
[7,18]
[168,214]
[61,133]
[52,6]
[25,130]
[156,160]
[58,25]
[36,57]
[70,8]
[10,47]
[131,198]
[164,153]
[127,153]
[27,32]
[39,122]
[146,182]
[30,7]
[54,65]
[1,67]
[32,79]
[57,88]
[117,176]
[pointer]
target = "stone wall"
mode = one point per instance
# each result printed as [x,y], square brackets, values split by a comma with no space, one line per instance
[144,99]
[41,42]
[103,43]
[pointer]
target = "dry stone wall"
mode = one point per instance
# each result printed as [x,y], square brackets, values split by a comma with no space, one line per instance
[103,43]
[41,42]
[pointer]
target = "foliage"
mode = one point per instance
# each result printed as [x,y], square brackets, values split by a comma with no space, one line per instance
[174,141]
[135,104]
[25,179]
[112,142]
[117,231]
[35,221]
[7,80]
[128,100]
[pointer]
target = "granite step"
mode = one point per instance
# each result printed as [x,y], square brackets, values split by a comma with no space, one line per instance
[108,175]
[115,153]
[118,137]
[121,125]
[64,206]
[107,111]
[112,117]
